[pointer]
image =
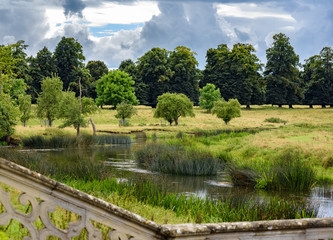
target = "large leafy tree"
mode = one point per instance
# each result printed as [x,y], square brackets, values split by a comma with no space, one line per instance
[97,70]
[49,99]
[208,96]
[40,67]
[74,110]
[172,106]
[186,75]
[115,87]
[69,58]
[318,74]
[141,89]
[282,74]
[235,72]
[154,70]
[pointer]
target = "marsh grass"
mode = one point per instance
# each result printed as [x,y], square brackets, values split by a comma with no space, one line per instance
[178,160]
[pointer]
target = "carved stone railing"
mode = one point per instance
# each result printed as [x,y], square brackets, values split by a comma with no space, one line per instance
[42,195]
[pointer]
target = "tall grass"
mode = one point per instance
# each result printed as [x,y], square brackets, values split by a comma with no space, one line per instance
[288,170]
[72,141]
[179,160]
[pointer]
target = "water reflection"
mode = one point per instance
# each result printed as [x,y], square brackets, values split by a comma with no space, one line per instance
[121,160]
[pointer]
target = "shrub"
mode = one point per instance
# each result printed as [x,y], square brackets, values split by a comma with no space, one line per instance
[275,120]
[328,162]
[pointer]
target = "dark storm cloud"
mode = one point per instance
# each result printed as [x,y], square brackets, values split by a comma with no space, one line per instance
[73,7]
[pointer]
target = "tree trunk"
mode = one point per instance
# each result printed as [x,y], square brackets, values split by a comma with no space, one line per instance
[50,122]
[176,122]
[311,106]
[290,106]
[331,105]
[24,123]
[123,121]
[323,106]
[93,126]
[7,139]
[280,105]
[248,106]
[78,130]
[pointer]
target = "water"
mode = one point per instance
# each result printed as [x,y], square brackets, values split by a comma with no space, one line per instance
[120,158]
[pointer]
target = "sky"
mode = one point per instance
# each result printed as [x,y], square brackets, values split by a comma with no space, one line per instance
[112,31]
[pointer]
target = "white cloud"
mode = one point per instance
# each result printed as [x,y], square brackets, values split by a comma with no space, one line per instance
[114,13]
[252,11]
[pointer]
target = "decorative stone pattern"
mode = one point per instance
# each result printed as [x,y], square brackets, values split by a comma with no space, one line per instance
[44,194]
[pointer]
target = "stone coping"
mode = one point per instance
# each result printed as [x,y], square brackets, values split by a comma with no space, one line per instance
[168,230]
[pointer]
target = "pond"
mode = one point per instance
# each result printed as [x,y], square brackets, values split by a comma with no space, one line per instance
[121,159]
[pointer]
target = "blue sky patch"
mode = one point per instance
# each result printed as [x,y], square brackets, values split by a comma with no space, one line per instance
[110,29]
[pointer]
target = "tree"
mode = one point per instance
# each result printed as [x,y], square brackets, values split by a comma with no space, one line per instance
[318,75]
[282,75]
[25,108]
[172,106]
[68,58]
[49,99]
[140,88]
[125,110]
[8,115]
[235,72]
[74,110]
[154,70]
[227,110]
[114,88]
[208,96]
[97,70]
[186,75]
[40,67]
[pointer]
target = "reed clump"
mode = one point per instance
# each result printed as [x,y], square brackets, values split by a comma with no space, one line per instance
[178,160]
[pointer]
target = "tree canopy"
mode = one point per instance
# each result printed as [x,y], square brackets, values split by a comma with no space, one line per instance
[282,74]
[208,96]
[172,106]
[114,88]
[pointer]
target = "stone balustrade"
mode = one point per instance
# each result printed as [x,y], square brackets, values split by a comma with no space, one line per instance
[43,195]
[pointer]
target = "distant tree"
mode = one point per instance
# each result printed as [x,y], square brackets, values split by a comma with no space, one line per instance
[172,106]
[140,88]
[97,70]
[69,58]
[154,70]
[186,75]
[74,110]
[281,74]
[40,67]
[114,88]
[235,72]
[25,108]
[49,99]
[125,110]
[227,110]
[208,96]
[318,74]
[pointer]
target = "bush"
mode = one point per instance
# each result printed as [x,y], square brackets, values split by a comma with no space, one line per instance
[275,120]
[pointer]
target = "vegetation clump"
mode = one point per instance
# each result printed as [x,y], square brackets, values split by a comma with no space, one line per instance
[178,160]
[227,110]
[275,120]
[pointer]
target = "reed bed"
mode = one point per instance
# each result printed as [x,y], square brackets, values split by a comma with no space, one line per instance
[178,160]
[72,141]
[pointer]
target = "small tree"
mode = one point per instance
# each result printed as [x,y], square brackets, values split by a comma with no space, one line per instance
[114,88]
[25,108]
[227,110]
[125,110]
[8,115]
[73,112]
[208,96]
[171,106]
[49,99]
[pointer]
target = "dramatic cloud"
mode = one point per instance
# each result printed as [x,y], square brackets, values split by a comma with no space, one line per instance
[115,30]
